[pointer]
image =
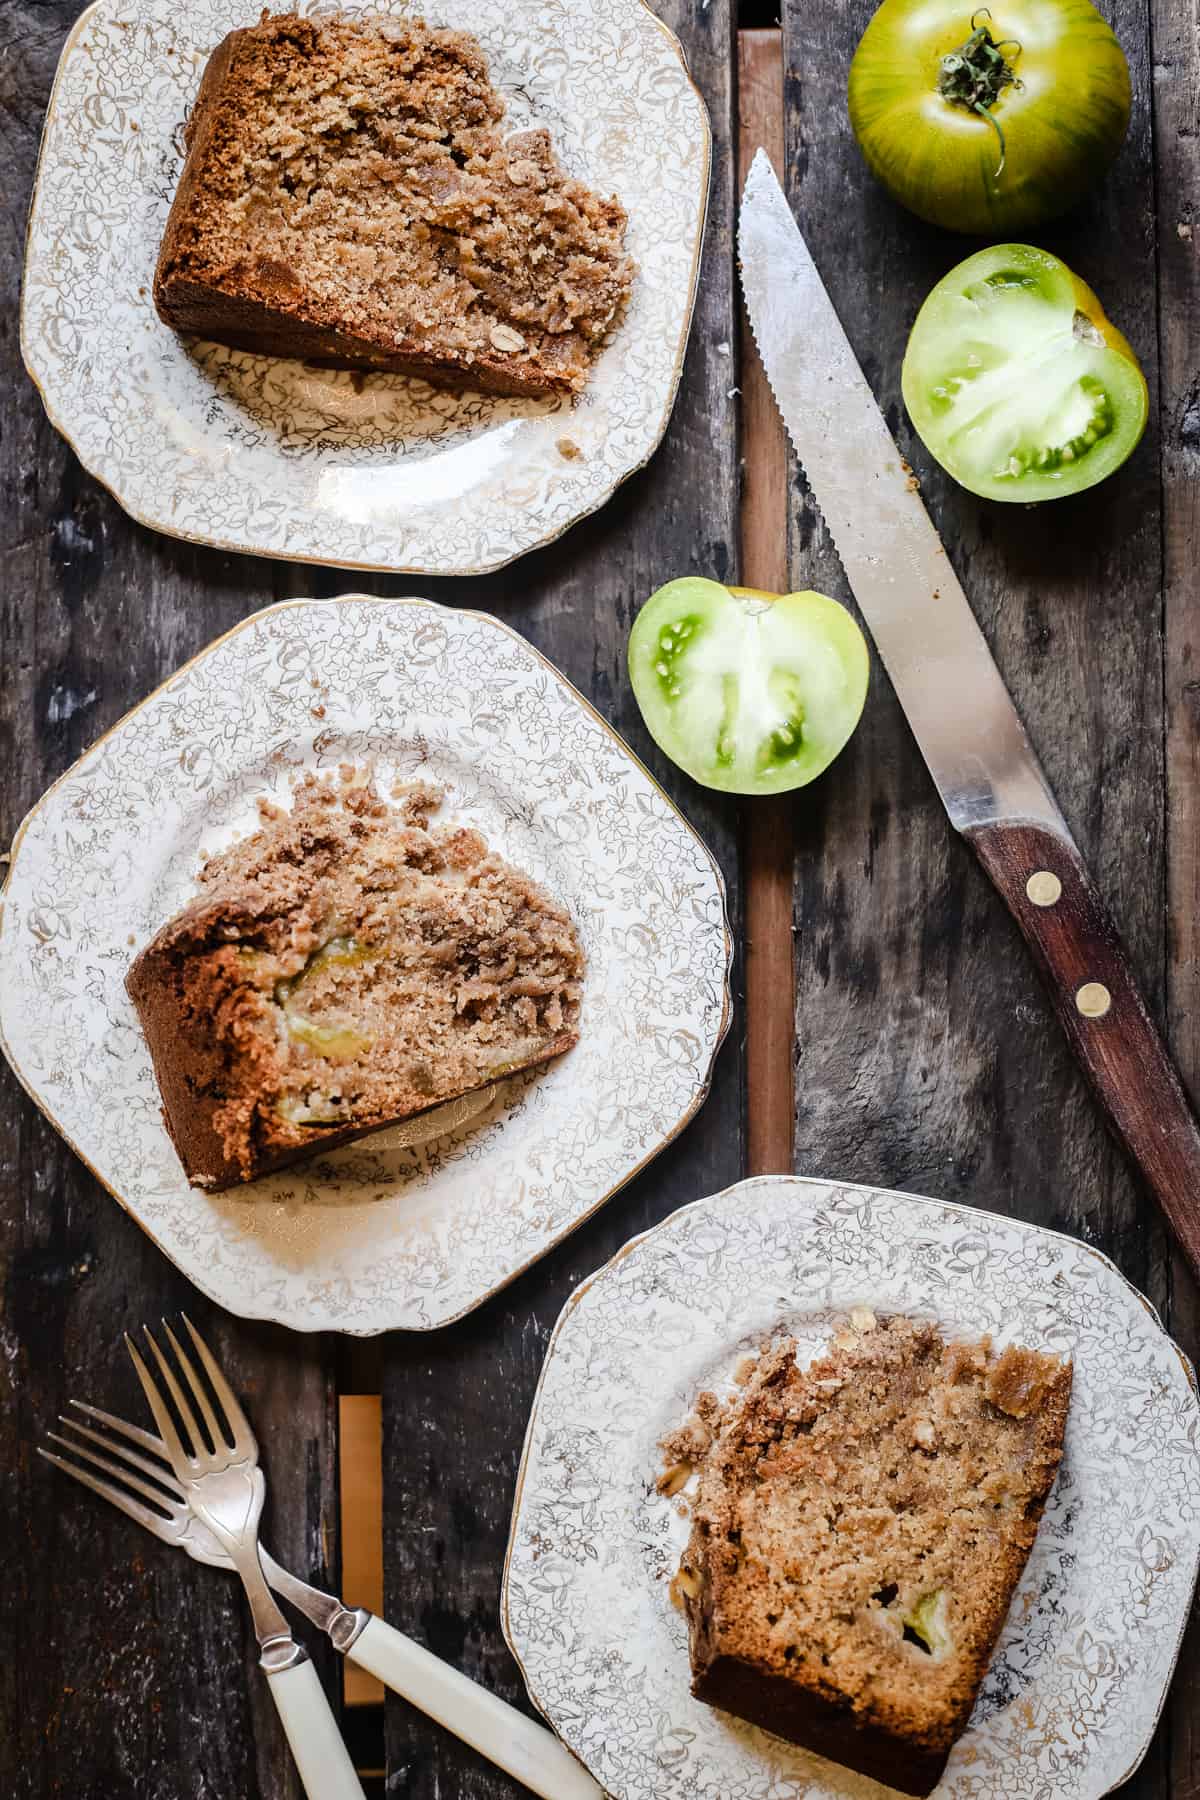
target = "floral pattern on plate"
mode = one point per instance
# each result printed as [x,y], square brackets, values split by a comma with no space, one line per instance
[385,1232]
[259,454]
[1081,1669]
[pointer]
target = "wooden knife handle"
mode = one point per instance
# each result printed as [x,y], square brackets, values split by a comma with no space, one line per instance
[1072,935]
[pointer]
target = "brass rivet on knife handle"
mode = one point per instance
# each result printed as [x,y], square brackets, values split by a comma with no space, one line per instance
[1044,888]
[1093,1000]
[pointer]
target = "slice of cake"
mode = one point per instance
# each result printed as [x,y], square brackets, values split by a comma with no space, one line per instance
[858,1532]
[350,197]
[344,968]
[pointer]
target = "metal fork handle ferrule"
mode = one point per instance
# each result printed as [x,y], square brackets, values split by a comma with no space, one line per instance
[278,1653]
[347,1627]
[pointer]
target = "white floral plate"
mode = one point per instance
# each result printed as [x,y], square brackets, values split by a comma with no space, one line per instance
[384,1233]
[1081,1670]
[382,472]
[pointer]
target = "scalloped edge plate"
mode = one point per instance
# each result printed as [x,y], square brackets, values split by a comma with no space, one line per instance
[277,458]
[381,1234]
[1081,1670]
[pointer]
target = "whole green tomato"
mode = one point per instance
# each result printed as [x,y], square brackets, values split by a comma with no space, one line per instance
[991,121]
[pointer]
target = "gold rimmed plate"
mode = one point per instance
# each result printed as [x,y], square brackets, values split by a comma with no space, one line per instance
[402,1229]
[1081,1669]
[372,472]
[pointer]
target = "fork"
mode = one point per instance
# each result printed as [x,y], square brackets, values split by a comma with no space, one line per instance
[525,1749]
[224,1488]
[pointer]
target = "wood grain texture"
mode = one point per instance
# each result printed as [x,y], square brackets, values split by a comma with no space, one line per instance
[928,1054]
[1175,26]
[127,1672]
[768,859]
[456,1404]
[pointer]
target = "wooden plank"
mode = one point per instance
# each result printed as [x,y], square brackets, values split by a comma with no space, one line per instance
[360,1464]
[456,1402]
[136,1676]
[928,1057]
[769,856]
[1176,34]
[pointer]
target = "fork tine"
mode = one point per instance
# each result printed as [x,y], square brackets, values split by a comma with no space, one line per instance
[114,1468]
[154,1522]
[183,1405]
[134,1433]
[157,1471]
[198,1393]
[239,1424]
[180,1460]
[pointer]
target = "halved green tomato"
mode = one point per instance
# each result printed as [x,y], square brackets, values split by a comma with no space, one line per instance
[1017,382]
[750,692]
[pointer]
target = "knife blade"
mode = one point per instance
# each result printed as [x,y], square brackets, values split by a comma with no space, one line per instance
[954,698]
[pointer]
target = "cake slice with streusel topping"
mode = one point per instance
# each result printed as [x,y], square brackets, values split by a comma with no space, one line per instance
[858,1533]
[348,966]
[350,196]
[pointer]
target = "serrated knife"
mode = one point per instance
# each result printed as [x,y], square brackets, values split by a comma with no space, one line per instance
[959,709]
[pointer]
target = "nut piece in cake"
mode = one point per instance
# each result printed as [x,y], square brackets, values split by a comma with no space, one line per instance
[348,966]
[350,197]
[858,1532]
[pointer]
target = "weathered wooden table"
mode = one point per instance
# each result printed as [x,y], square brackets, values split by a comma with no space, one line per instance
[924,1053]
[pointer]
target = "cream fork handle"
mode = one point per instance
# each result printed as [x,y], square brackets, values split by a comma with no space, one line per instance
[321,1757]
[530,1753]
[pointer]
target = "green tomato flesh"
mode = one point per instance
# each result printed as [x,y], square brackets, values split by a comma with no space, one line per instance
[1063,114]
[1016,381]
[747,692]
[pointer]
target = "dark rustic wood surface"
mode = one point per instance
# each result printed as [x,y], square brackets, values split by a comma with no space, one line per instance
[136,1677]
[926,1053]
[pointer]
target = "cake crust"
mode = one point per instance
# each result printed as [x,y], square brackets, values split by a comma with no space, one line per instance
[858,1533]
[349,197]
[347,967]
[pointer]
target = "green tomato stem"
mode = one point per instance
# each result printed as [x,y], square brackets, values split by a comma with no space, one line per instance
[976,74]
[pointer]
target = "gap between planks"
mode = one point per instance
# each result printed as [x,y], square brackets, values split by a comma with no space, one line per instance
[360,1464]
[768,836]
